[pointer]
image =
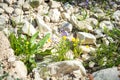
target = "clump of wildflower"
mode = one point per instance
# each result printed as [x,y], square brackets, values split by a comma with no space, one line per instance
[49,40]
[87,46]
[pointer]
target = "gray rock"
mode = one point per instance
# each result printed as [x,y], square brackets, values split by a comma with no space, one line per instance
[83,25]
[107,74]
[54,15]
[42,25]
[28,28]
[9,10]
[106,24]
[67,26]
[20,2]
[116,15]
[60,69]
[66,16]
[86,38]
[99,33]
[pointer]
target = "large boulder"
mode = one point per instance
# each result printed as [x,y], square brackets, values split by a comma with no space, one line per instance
[107,74]
[64,69]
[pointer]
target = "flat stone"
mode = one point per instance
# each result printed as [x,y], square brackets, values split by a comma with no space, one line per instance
[107,74]
[86,38]
[9,10]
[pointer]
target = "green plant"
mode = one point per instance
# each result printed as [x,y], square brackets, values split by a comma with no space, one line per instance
[27,47]
[108,55]
[61,49]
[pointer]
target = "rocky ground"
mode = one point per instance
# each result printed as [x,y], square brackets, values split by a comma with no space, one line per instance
[85,21]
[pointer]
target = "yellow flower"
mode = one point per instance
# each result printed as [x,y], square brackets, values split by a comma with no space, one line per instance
[49,40]
[87,46]
[77,39]
[27,42]
[73,39]
[64,37]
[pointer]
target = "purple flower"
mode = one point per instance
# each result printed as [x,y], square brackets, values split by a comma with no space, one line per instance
[64,33]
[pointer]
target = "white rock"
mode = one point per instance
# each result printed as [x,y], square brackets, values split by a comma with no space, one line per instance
[26,6]
[1,10]
[99,33]
[70,54]
[18,11]
[105,41]
[42,25]
[54,4]
[68,8]
[3,5]
[4,43]
[54,15]
[116,15]
[91,64]
[9,10]
[17,19]
[20,2]
[2,23]
[10,1]
[86,38]
[86,49]
[67,26]
[28,28]
[66,15]
[5,54]
[11,59]
[65,67]
[85,57]
[106,24]
[81,24]
[19,70]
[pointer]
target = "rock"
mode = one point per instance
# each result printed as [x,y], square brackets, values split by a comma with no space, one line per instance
[28,28]
[18,11]
[59,69]
[66,16]
[2,22]
[68,8]
[9,1]
[116,15]
[35,3]
[5,54]
[105,41]
[20,2]
[82,25]
[18,70]
[67,26]
[86,38]
[46,19]
[98,33]
[9,10]
[4,43]
[87,49]
[54,15]
[26,6]
[107,74]
[1,10]
[70,54]
[41,24]
[85,57]
[54,4]
[106,24]
[3,5]
[17,19]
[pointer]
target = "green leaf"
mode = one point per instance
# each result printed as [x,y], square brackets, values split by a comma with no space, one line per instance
[43,41]
[34,37]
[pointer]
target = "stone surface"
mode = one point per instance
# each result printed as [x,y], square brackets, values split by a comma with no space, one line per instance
[67,26]
[4,43]
[54,15]
[28,28]
[107,74]
[19,70]
[42,25]
[9,10]
[106,24]
[18,11]
[86,38]
[60,69]
[54,4]
[116,15]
